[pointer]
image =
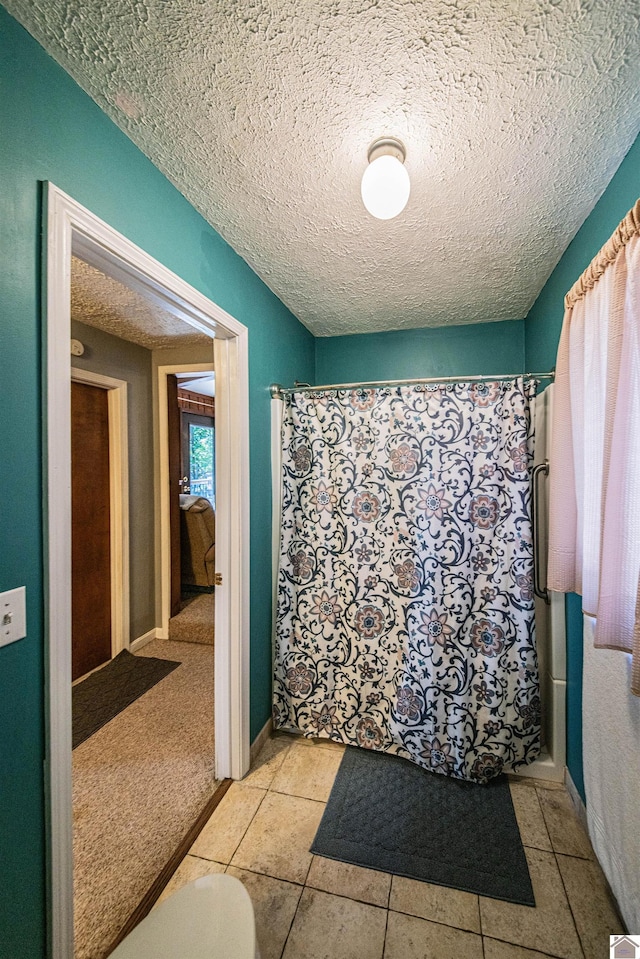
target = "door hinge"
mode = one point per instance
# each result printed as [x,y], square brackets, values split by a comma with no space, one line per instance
[217,579]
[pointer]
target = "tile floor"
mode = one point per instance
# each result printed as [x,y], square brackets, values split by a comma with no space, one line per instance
[308,907]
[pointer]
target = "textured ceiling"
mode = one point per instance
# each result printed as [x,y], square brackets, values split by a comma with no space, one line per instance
[515,115]
[105,303]
[203,383]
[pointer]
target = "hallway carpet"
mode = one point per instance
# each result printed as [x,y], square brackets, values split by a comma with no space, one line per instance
[109,690]
[139,784]
[196,620]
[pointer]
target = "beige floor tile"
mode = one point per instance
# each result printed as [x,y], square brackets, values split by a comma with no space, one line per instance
[290,738]
[189,869]
[221,836]
[411,938]
[504,950]
[278,840]
[268,763]
[565,829]
[437,903]
[319,743]
[531,824]
[307,772]
[332,927]
[343,879]
[274,904]
[549,926]
[595,914]
[534,783]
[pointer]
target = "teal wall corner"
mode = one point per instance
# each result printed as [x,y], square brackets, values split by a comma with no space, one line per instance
[542,333]
[478,348]
[52,131]
[544,320]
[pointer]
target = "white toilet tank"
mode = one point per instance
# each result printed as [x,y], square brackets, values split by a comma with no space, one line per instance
[209,918]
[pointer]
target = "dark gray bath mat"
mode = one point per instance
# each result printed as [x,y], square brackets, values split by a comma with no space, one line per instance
[105,693]
[388,814]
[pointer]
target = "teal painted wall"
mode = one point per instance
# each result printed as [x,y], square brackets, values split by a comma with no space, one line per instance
[50,130]
[573,619]
[542,333]
[403,354]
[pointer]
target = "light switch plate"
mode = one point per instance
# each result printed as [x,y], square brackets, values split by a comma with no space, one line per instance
[13,615]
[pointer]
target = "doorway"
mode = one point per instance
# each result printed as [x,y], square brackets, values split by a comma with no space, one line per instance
[190,453]
[174,484]
[135,713]
[191,462]
[196,401]
[72,229]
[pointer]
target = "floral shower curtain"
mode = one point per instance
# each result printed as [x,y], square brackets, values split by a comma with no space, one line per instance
[405,595]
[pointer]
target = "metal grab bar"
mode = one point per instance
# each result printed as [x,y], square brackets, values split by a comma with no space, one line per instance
[539,470]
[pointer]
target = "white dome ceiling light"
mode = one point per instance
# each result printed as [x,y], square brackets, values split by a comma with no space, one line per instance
[385,183]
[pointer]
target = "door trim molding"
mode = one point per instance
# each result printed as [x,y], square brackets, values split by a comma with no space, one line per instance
[70,228]
[118,501]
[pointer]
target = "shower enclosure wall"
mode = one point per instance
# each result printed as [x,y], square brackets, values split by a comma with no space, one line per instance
[550,624]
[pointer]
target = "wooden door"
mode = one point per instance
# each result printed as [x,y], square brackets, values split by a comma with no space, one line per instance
[173,413]
[90,529]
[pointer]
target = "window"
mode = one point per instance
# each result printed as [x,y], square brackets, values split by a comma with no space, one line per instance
[198,455]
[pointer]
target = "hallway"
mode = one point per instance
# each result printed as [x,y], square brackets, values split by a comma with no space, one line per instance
[139,783]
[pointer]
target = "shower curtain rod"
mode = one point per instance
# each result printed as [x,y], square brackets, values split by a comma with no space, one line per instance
[277,391]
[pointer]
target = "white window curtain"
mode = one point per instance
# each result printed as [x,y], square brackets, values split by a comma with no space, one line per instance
[595,477]
[594,517]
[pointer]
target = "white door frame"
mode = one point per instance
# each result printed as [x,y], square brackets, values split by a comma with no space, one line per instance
[118,500]
[72,228]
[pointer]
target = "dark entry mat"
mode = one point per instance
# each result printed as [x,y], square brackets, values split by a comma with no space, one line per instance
[105,693]
[388,814]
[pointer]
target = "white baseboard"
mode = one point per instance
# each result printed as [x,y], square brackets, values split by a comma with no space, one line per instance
[260,740]
[143,640]
[576,799]
[544,769]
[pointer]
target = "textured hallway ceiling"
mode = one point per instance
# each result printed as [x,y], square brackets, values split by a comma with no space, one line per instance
[515,115]
[101,301]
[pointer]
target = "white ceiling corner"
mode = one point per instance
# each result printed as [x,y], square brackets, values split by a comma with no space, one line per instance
[515,115]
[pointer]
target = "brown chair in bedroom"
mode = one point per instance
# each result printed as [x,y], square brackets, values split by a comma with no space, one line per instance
[197,541]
